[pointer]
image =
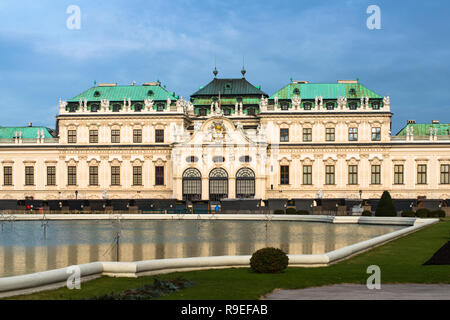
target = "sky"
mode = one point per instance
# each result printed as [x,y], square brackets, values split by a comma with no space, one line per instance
[178,43]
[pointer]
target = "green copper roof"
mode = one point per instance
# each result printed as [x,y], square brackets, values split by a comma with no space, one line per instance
[27,132]
[422,129]
[326,90]
[118,93]
[225,101]
[235,87]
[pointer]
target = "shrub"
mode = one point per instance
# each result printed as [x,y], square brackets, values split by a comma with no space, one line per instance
[386,206]
[437,214]
[303,212]
[366,213]
[269,260]
[291,211]
[423,213]
[278,211]
[408,213]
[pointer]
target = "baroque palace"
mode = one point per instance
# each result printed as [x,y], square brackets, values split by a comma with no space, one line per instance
[307,145]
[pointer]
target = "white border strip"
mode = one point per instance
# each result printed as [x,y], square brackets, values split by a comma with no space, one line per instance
[40,281]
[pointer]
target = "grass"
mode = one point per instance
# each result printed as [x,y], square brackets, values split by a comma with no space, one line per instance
[400,262]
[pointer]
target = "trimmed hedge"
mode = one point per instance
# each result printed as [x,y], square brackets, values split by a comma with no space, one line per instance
[303,212]
[423,213]
[386,206]
[291,211]
[278,211]
[408,213]
[366,213]
[269,260]
[437,214]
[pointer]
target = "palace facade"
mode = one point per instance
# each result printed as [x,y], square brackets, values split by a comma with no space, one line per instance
[307,142]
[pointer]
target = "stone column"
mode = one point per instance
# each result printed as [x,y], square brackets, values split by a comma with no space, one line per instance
[205,188]
[232,187]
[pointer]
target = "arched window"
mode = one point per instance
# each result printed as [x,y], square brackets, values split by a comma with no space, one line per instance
[245,183]
[218,184]
[192,184]
[95,107]
[116,107]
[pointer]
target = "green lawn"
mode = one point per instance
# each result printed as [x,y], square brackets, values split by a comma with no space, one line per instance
[400,262]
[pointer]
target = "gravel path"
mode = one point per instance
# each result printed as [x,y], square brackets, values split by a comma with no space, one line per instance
[360,292]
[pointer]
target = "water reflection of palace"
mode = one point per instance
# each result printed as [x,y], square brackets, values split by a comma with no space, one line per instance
[175,239]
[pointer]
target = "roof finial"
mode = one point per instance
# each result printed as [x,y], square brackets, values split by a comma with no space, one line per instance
[215,72]
[243,71]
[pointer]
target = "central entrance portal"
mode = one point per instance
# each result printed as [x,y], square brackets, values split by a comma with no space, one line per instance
[218,184]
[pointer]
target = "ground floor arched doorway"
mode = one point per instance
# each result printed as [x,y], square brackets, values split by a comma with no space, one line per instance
[218,184]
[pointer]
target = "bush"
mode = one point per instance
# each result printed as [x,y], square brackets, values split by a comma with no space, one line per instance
[269,260]
[386,206]
[302,212]
[408,213]
[291,211]
[278,211]
[423,213]
[366,213]
[437,214]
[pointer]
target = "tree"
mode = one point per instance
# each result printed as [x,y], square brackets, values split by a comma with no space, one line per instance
[386,206]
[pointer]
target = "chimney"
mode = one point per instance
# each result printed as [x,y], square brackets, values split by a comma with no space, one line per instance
[411,121]
[347,81]
[435,121]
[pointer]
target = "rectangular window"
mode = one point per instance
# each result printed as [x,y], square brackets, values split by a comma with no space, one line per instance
[329,134]
[307,175]
[329,175]
[72,136]
[398,174]
[159,135]
[445,174]
[115,176]
[352,174]
[159,175]
[137,136]
[422,174]
[284,174]
[7,176]
[115,136]
[376,174]
[29,176]
[72,176]
[93,176]
[376,134]
[51,176]
[137,176]
[353,134]
[93,136]
[284,135]
[307,134]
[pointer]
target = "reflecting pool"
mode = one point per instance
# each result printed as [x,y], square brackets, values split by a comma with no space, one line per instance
[33,246]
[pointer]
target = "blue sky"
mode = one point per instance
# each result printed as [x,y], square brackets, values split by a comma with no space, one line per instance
[41,60]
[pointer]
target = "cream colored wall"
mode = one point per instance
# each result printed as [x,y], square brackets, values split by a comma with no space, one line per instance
[295,153]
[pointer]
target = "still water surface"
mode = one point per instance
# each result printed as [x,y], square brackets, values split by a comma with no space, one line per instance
[33,246]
